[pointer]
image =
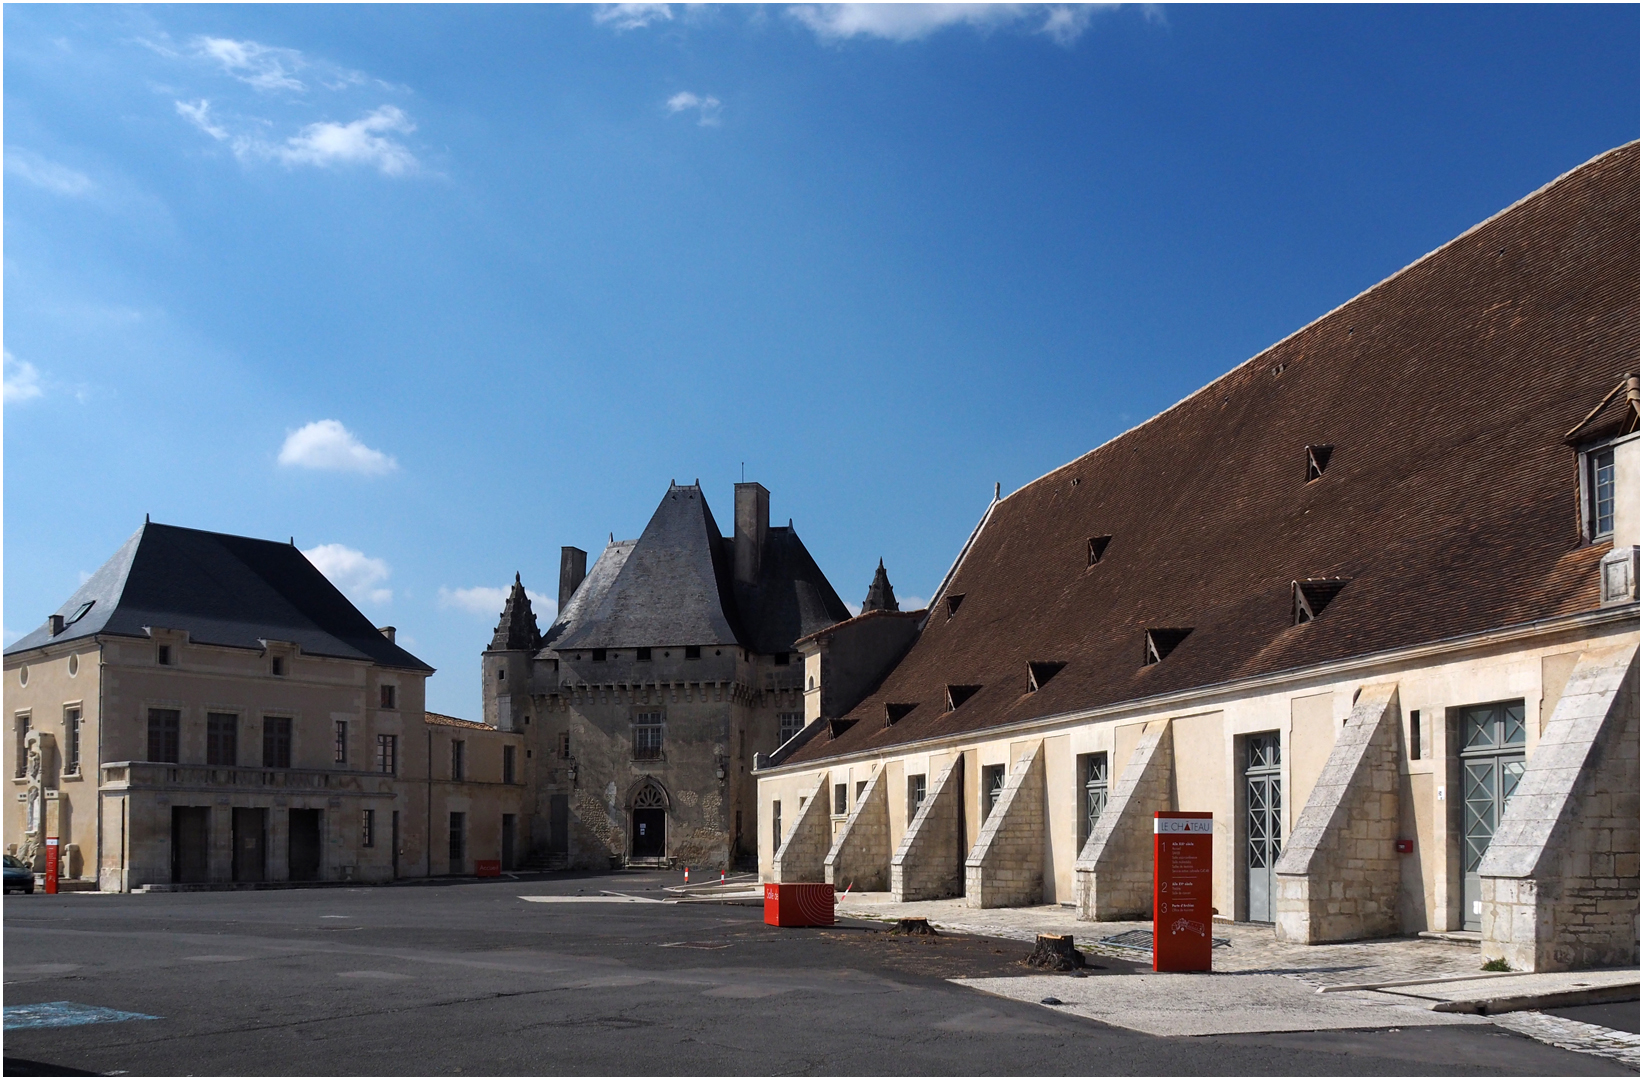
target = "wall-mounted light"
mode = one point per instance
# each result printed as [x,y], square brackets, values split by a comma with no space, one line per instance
[572,771]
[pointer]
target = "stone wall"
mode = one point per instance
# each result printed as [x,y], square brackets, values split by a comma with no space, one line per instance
[861,854]
[925,866]
[803,854]
[1560,878]
[1339,876]
[1112,878]
[1006,866]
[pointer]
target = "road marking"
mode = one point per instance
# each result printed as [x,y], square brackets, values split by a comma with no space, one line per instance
[603,898]
[51,1014]
[216,959]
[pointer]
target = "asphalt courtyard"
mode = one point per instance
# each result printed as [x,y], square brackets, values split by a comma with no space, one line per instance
[469,978]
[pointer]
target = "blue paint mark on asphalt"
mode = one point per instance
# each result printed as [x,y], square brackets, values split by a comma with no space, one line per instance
[50,1014]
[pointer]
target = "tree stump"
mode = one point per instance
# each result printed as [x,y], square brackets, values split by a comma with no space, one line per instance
[1056,952]
[913,926]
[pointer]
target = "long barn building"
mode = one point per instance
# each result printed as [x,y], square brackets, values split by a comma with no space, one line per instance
[1370,599]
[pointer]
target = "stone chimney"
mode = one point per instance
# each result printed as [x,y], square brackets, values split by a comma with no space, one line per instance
[573,567]
[386,631]
[752,523]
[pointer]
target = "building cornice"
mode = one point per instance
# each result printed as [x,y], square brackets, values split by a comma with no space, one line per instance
[1204,695]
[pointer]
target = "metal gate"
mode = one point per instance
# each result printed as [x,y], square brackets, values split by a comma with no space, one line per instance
[1263,822]
[1491,764]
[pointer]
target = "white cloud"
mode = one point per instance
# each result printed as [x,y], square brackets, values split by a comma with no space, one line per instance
[483,600]
[60,179]
[362,142]
[632,16]
[198,113]
[359,576]
[911,603]
[707,107]
[326,444]
[1063,23]
[264,67]
[22,380]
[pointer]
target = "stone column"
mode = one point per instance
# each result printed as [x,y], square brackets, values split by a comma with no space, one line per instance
[1560,878]
[925,866]
[1339,875]
[804,851]
[1112,878]
[861,854]
[1006,867]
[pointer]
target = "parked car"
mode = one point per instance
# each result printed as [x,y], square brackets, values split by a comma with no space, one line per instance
[18,876]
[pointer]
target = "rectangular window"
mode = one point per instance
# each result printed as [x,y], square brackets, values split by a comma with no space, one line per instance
[783,659]
[22,744]
[915,796]
[693,652]
[642,654]
[1093,772]
[278,665]
[458,759]
[342,742]
[841,799]
[598,656]
[861,788]
[992,786]
[1600,485]
[1414,734]
[387,692]
[792,724]
[776,826]
[276,742]
[71,741]
[647,736]
[387,754]
[507,764]
[164,656]
[368,828]
[564,744]
[222,739]
[459,828]
[163,725]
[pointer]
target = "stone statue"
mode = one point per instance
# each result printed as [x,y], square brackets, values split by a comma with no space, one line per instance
[38,746]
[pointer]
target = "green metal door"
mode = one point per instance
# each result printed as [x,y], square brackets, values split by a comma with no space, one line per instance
[1491,764]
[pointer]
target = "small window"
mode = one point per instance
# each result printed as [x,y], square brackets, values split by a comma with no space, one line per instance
[894,711]
[459,837]
[598,656]
[71,740]
[501,674]
[1317,460]
[841,799]
[508,764]
[954,603]
[163,725]
[776,825]
[642,655]
[1600,492]
[387,754]
[276,742]
[1040,672]
[1098,548]
[459,759]
[958,695]
[387,696]
[1312,595]
[647,736]
[368,828]
[278,666]
[342,742]
[564,744]
[79,613]
[861,789]
[915,795]
[792,724]
[783,659]
[1163,641]
[1414,734]
[693,652]
[164,656]
[992,784]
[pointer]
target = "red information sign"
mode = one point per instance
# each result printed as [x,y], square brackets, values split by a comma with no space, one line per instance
[800,904]
[487,868]
[1182,871]
[51,864]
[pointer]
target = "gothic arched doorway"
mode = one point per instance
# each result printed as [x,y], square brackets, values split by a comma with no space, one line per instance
[649,831]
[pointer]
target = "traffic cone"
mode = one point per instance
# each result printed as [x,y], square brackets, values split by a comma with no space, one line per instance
[687,875]
[721,877]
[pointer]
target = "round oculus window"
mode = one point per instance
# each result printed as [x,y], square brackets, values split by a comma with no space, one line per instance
[73,665]
[23,675]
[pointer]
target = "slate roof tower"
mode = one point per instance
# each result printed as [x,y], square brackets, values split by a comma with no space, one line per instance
[880,595]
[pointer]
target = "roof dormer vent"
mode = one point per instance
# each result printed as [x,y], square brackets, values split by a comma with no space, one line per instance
[894,711]
[1317,460]
[1040,672]
[1161,641]
[953,603]
[1312,595]
[958,695]
[1098,548]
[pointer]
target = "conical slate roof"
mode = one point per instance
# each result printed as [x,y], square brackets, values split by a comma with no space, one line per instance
[880,595]
[222,590]
[517,627]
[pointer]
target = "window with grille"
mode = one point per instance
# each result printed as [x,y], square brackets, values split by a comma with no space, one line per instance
[222,739]
[163,725]
[507,764]
[792,724]
[992,787]
[915,795]
[647,736]
[387,754]
[1600,492]
[71,740]
[276,742]
[342,742]
[1094,773]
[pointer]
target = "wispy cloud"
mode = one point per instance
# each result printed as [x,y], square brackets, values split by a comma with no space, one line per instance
[198,113]
[484,600]
[358,575]
[911,603]
[707,107]
[264,67]
[366,141]
[326,444]
[631,16]
[43,173]
[1062,23]
[22,380]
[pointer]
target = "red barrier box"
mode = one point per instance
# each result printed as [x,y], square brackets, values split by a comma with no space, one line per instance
[1182,853]
[802,904]
[487,868]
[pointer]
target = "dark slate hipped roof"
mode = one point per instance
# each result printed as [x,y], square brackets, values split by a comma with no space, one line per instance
[1448,503]
[675,585]
[517,628]
[222,590]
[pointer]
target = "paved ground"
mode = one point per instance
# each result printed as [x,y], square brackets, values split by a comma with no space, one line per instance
[469,978]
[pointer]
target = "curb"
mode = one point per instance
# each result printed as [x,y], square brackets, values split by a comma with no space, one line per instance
[1556,999]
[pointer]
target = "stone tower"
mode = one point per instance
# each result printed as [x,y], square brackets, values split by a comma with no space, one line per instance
[506,665]
[880,596]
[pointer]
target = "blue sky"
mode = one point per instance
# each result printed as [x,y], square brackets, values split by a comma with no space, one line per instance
[437,290]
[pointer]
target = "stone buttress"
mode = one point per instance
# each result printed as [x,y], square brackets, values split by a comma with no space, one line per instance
[861,854]
[926,865]
[804,851]
[1112,878]
[1006,867]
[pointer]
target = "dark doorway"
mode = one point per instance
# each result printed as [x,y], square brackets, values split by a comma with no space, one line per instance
[963,826]
[190,849]
[305,845]
[250,843]
[396,843]
[649,823]
[507,841]
[558,824]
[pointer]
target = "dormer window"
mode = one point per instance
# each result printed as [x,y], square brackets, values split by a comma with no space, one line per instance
[1317,460]
[1600,487]
[1098,547]
[958,695]
[277,666]
[1040,672]
[1312,595]
[953,603]
[1162,641]
[163,656]
[894,711]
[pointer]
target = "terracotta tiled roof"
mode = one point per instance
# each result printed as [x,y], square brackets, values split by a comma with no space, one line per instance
[1449,498]
[451,721]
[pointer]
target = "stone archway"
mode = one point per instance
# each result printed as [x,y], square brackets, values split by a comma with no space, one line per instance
[647,836]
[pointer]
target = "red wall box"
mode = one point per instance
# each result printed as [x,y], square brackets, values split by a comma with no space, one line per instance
[804,904]
[487,868]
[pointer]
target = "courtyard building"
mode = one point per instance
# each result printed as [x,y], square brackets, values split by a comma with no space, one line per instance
[1370,599]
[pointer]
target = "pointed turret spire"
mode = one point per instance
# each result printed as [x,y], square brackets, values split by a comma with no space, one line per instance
[880,596]
[517,627]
